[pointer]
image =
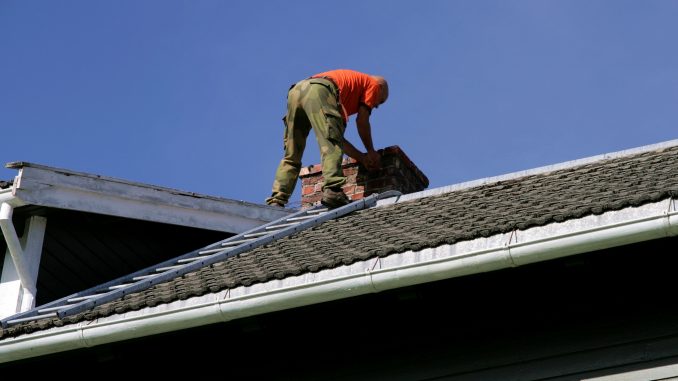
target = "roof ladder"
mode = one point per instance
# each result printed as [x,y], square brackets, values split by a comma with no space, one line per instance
[192,261]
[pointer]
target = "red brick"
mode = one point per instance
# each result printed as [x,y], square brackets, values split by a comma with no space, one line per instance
[349,189]
[350,171]
[312,198]
[397,173]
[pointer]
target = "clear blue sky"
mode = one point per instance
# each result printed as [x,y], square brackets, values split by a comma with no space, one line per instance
[190,94]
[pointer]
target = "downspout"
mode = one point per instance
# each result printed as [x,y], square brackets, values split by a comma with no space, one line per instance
[220,308]
[7,203]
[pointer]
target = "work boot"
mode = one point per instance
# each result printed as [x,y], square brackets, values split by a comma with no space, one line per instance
[334,198]
[276,203]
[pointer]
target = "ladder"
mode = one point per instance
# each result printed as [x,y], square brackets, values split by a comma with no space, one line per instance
[192,261]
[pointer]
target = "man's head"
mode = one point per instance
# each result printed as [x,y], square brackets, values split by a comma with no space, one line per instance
[383,86]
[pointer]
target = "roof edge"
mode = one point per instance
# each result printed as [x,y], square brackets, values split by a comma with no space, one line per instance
[68,172]
[65,189]
[530,172]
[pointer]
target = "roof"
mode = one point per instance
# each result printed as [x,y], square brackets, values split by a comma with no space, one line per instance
[100,228]
[496,207]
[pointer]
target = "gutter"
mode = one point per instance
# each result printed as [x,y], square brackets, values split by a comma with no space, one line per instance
[224,307]
[7,196]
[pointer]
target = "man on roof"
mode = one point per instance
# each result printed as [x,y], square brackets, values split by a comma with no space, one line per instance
[324,102]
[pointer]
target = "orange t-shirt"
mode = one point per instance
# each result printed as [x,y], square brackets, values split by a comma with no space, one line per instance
[354,88]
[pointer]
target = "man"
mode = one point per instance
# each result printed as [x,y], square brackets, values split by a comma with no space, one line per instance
[324,102]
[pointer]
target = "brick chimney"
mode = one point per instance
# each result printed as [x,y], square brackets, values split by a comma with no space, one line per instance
[398,172]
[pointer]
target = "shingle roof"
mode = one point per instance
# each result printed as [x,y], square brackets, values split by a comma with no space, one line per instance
[465,214]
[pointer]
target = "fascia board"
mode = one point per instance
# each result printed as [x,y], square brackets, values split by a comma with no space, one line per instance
[50,187]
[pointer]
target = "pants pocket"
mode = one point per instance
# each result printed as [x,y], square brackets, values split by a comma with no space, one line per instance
[335,125]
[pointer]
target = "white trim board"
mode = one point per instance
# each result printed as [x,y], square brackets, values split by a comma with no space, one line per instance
[59,188]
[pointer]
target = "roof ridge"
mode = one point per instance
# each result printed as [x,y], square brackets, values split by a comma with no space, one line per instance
[531,172]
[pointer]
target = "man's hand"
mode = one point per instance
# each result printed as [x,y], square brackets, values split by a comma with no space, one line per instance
[372,161]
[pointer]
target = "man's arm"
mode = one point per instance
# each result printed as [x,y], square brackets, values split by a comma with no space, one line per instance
[360,157]
[365,132]
[353,152]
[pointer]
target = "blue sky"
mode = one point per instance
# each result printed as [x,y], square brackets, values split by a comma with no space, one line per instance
[190,94]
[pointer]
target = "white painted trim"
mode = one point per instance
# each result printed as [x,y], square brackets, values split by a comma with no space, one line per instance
[572,237]
[25,254]
[63,189]
[656,373]
[28,281]
[18,282]
[7,196]
[31,241]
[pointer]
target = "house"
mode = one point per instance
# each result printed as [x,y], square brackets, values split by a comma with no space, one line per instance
[565,272]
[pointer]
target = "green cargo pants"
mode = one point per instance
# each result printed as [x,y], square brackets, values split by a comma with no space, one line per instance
[311,103]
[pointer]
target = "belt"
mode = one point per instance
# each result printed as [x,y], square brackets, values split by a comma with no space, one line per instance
[331,81]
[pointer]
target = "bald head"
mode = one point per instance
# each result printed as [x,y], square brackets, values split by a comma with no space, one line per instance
[383,87]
